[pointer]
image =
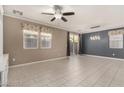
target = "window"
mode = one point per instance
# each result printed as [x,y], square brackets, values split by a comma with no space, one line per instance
[30,39]
[45,40]
[74,38]
[116,41]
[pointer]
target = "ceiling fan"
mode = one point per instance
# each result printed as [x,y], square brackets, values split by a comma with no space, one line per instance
[58,13]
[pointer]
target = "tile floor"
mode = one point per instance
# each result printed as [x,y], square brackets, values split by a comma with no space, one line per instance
[76,71]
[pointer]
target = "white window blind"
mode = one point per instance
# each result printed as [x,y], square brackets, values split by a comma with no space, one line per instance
[116,41]
[30,39]
[45,40]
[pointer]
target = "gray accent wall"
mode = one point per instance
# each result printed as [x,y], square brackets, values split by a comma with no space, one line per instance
[100,47]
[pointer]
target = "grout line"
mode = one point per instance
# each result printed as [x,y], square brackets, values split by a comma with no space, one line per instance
[91,73]
[102,75]
[109,85]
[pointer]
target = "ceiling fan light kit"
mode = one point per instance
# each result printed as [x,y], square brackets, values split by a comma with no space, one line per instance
[58,16]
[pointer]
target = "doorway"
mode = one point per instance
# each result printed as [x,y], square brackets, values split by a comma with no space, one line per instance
[74,44]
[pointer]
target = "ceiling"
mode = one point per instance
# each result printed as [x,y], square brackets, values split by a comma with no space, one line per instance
[86,16]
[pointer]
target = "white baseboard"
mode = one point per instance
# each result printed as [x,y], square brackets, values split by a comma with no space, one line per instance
[26,64]
[104,57]
[54,59]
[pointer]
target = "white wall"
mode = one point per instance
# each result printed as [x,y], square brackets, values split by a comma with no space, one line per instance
[1,36]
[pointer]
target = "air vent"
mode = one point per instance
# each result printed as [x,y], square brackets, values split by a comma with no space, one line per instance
[95,27]
[17,12]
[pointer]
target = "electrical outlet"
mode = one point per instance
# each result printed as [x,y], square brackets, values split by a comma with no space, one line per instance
[13,59]
[113,54]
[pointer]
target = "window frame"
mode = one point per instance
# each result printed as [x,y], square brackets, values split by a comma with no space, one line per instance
[24,41]
[41,47]
[111,40]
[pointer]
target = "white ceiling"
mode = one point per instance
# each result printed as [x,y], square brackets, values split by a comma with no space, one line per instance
[85,16]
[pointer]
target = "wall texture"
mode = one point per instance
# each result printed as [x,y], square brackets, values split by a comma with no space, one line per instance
[100,47]
[13,43]
[1,37]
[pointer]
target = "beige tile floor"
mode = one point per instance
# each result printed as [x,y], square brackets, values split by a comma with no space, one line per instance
[76,71]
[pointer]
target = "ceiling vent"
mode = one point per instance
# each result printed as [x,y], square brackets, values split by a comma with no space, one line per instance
[17,12]
[93,27]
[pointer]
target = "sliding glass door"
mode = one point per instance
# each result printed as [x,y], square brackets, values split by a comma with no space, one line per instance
[74,44]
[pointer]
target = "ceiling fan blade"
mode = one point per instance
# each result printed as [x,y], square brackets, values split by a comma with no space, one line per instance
[68,13]
[48,13]
[64,19]
[53,19]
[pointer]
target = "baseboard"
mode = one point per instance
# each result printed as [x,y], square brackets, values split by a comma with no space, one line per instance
[104,57]
[54,59]
[25,64]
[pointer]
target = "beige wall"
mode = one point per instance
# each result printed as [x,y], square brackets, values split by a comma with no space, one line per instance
[13,43]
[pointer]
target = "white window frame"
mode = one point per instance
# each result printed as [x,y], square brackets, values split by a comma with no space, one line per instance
[116,38]
[41,47]
[25,37]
